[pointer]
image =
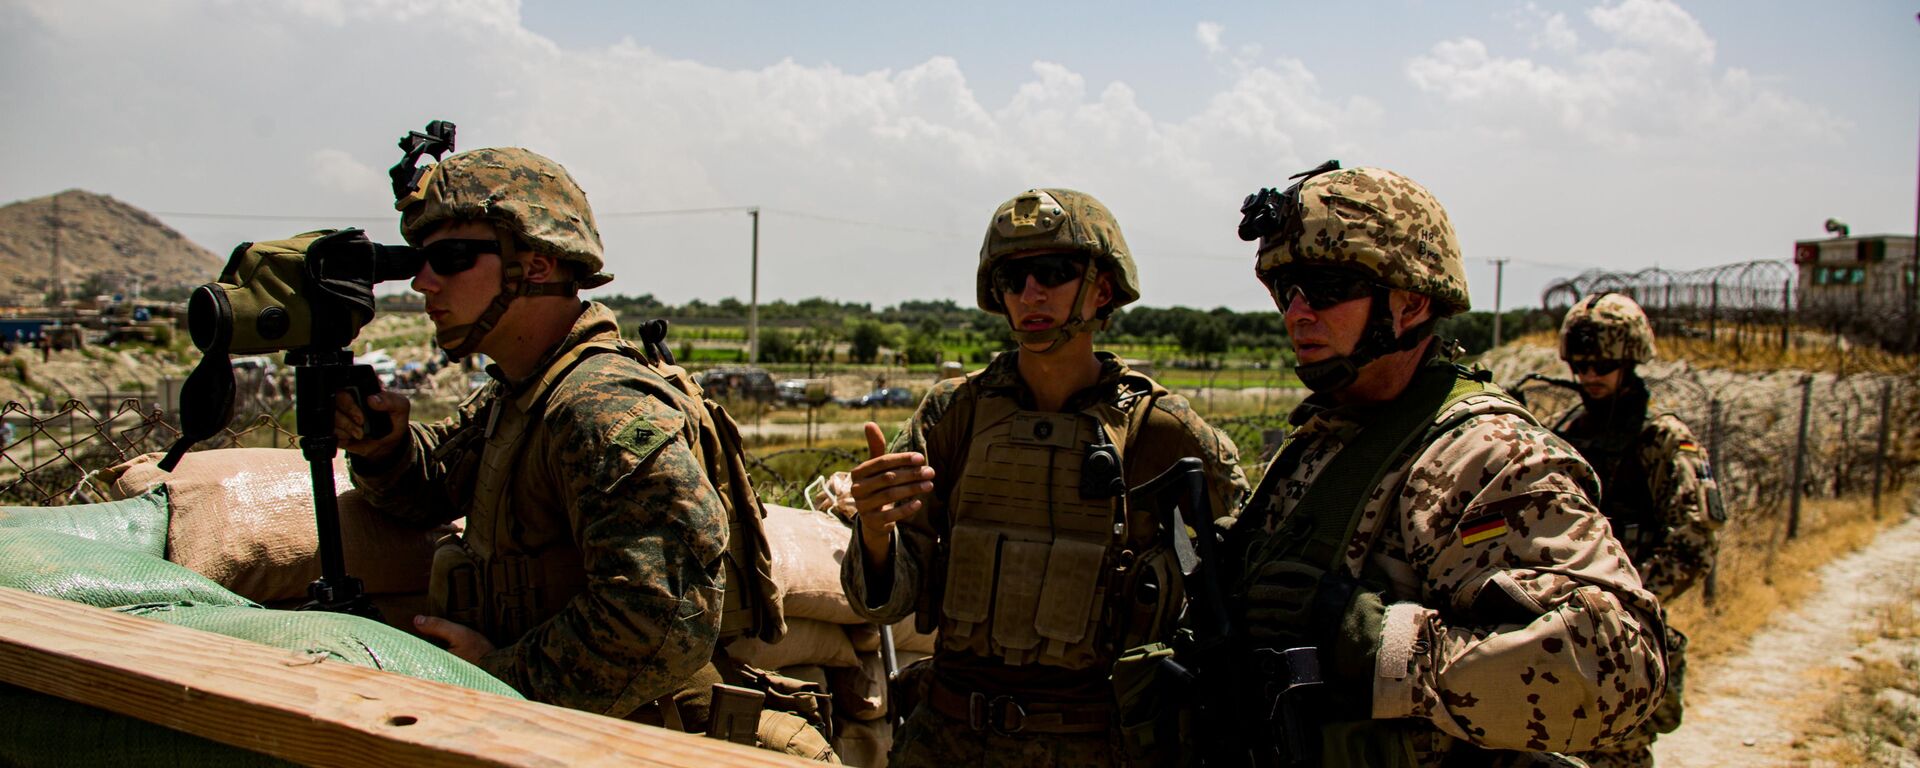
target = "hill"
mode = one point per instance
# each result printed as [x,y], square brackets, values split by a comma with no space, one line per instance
[106,246]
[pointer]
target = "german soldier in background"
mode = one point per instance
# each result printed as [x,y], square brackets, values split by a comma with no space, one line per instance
[999,515]
[1656,487]
[1419,535]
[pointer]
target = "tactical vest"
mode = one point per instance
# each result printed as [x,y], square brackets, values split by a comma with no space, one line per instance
[1036,573]
[1626,491]
[1315,540]
[502,584]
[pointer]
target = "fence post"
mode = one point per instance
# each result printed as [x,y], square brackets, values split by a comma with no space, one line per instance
[1880,454]
[1711,590]
[1800,457]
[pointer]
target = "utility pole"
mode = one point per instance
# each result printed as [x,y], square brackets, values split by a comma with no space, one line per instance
[1499,277]
[54,294]
[753,299]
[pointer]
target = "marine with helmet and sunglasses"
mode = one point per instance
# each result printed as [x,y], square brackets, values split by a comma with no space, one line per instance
[1657,487]
[1421,577]
[591,571]
[999,515]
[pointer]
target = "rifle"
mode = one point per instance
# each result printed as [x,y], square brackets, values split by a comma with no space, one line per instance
[1208,671]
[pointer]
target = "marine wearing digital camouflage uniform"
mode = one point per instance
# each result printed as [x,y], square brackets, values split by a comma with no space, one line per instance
[1656,486]
[590,574]
[1014,536]
[1420,531]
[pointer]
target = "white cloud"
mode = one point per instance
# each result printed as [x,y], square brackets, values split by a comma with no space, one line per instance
[1548,31]
[1651,81]
[339,171]
[1208,33]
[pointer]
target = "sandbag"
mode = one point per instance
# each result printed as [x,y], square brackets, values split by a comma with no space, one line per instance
[862,742]
[138,523]
[244,518]
[99,574]
[906,638]
[41,730]
[341,637]
[808,642]
[807,549]
[808,673]
[860,693]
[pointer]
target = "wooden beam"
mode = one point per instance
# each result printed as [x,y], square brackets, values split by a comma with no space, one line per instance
[285,704]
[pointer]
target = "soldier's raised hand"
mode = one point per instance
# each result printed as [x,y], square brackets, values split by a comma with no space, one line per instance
[883,491]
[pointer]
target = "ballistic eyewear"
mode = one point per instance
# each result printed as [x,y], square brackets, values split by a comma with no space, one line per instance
[451,256]
[1051,270]
[1321,288]
[1598,367]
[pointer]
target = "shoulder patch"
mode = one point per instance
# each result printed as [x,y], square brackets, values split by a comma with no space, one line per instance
[642,438]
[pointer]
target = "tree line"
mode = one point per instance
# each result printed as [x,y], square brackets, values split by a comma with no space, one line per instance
[926,332]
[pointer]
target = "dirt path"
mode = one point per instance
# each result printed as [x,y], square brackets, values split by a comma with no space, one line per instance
[1747,709]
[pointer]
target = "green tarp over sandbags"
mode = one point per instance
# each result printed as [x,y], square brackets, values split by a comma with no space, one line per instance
[100,574]
[351,639]
[138,523]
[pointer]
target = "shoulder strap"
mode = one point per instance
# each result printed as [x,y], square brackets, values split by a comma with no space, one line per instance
[1332,504]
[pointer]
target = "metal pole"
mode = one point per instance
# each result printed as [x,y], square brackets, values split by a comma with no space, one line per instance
[753,301]
[1499,277]
[1800,457]
[1711,590]
[1880,455]
[1786,313]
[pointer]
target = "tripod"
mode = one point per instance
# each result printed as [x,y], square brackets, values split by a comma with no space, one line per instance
[319,373]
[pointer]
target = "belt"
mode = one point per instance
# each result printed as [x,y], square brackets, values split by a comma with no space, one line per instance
[1007,715]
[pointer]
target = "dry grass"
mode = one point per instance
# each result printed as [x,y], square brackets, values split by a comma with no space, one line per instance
[1876,722]
[1758,576]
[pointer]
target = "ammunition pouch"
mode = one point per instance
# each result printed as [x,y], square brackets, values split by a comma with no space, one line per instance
[1153,713]
[809,701]
[454,589]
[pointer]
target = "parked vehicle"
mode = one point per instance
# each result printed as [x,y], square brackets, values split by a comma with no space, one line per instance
[885,396]
[734,381]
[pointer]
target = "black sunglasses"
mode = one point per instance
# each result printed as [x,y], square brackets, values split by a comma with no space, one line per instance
[1321,288]
[451,256]
[1051,270]
[1598,367]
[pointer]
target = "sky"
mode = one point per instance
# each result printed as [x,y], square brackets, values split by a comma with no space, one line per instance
[876,139]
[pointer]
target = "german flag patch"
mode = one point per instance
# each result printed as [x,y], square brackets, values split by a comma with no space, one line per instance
[1689,445]
[1482,529]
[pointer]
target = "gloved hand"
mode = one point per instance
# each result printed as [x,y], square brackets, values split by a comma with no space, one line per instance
[1350,652]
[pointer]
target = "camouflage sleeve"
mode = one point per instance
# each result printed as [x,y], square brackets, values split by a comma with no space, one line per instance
[652,530]
[887,598]
[1227,485]
[1534,633]
[1688,501]
[412,486]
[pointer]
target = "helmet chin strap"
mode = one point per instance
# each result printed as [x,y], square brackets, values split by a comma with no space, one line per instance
[1060,334]
[462,340]
[1376,341]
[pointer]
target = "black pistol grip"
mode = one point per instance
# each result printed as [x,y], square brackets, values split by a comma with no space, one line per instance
[362,382]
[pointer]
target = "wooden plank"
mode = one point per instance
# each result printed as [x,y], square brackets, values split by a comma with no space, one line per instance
[318,713]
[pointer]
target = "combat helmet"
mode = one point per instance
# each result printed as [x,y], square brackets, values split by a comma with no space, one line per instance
[1606,327]
[531,201]
[1370,221]
[1057,221]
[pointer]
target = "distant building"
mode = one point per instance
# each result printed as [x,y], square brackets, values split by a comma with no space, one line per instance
[1855,279]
